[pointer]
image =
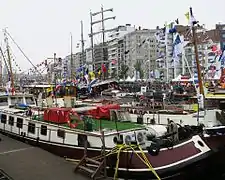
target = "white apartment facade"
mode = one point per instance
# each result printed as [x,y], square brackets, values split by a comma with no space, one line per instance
[115,47]
[140,46]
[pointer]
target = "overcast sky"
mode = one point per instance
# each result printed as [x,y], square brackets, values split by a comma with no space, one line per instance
[42,27]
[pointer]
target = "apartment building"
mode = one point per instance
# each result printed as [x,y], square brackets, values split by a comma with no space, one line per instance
[116,47]
[140,47]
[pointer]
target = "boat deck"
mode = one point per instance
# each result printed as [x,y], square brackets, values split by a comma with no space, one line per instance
[24,162]
[106,124]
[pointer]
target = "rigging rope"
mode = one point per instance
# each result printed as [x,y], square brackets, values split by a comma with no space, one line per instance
[23,53]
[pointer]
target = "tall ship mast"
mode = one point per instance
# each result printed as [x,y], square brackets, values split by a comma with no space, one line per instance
[9,62]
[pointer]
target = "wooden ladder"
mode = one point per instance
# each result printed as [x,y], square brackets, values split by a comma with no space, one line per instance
[95,169]
[91,167]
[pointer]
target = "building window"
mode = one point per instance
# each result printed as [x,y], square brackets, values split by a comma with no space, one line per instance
[19,123]
[3,119]
[11,120]
[43,130]
[31,128]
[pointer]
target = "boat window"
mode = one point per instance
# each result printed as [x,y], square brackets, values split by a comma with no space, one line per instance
[43,130]
[31,128]
[11,120]
[20,100]
[61,133]
[19,123]
[30,100]
[16,100]
[3,118]
[3,102]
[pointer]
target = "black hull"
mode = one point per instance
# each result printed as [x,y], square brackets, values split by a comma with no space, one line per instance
[209,164]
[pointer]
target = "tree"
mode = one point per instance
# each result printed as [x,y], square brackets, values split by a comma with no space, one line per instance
[113,74]
[123,71]
[138,68]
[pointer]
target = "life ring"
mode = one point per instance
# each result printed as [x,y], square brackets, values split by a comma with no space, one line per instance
[128,139]
[140,137]
[118,140]
[153,149]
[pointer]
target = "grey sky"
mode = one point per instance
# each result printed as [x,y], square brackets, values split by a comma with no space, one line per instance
[42,27]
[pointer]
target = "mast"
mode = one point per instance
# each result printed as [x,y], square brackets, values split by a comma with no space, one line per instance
[5,62]
[103,40]
[201,90]
[55,77]
[167,57]
[92,42]
[71,56]
[9,61]
[1,79]
[149,59]
[103,31]
[82,43]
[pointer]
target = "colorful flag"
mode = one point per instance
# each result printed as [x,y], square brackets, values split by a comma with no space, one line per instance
[114,61]
[222,56]
[92,75]
[187,15]
[177,49]
[104,68]
[191,19]
[214,48]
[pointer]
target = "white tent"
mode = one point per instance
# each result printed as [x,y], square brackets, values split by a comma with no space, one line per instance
[133,79]
[128,79]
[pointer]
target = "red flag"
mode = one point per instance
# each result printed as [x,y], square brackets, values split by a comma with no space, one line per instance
[114,61]
[214,48]
[104,68]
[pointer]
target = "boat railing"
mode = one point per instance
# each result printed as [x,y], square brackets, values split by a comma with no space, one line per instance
[22,114]
[67,129]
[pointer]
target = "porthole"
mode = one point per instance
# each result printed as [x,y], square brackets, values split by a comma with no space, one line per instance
[201,143]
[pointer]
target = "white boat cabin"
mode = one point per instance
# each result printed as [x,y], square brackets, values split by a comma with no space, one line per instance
[17,99]
[14,120]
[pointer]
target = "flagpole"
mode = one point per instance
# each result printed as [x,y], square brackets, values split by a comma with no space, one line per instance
[201,91]
[182,60]
[149,58]
[174,62]
[71,57]
[167,59]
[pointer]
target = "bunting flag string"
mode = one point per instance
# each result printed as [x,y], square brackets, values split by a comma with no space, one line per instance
[12,56]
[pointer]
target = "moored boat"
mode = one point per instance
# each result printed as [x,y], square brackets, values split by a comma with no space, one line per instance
[60,131]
